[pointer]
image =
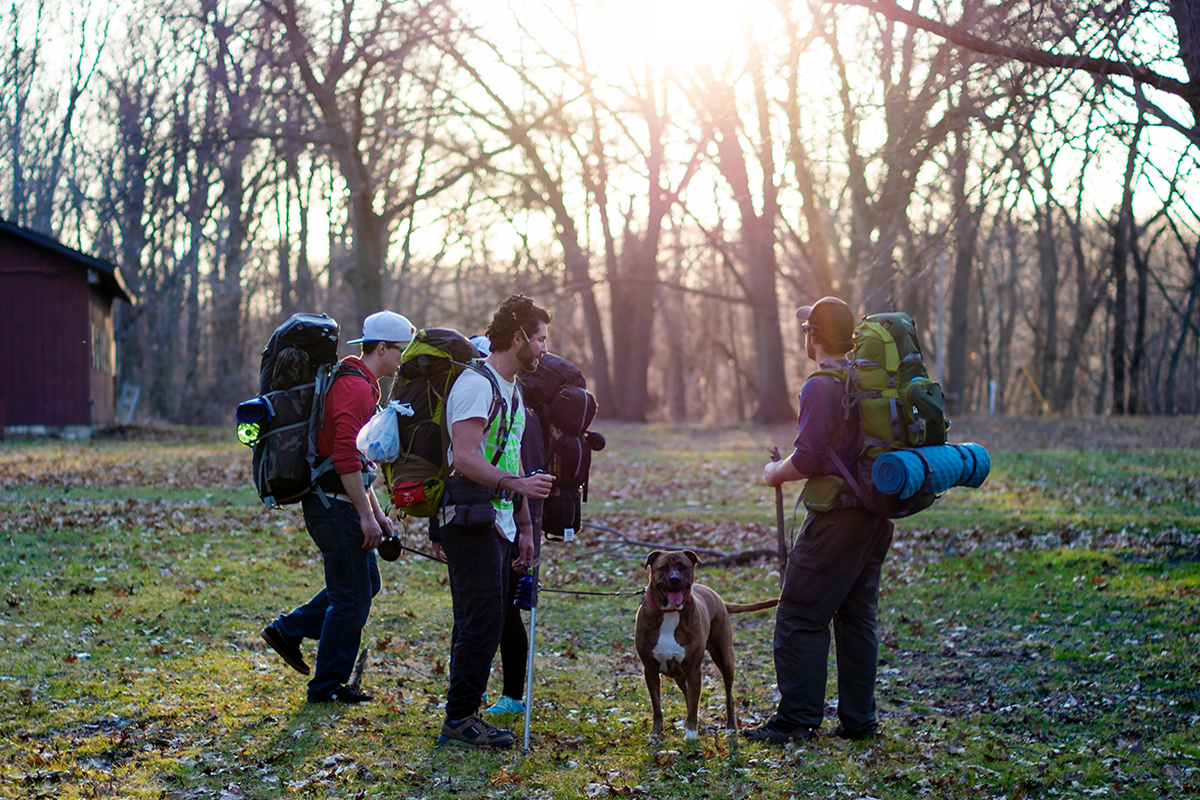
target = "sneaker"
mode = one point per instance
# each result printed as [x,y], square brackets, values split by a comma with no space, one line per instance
[841,732]
[290,653]
[772,735]
[474,732]
[507,705]
[342,694]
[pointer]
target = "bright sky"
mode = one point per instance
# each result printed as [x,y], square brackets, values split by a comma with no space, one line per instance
[622,34]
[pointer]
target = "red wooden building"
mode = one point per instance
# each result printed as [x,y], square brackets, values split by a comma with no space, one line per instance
[57,357]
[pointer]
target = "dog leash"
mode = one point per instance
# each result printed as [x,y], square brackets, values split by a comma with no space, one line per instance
[639,592]
[636,593]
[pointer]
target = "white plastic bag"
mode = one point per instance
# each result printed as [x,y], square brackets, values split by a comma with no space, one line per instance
[379,439]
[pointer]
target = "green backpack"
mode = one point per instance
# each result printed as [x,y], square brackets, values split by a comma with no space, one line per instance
[429,367]
[899,407]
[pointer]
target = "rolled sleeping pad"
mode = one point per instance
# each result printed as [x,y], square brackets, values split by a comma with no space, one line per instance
[934,469]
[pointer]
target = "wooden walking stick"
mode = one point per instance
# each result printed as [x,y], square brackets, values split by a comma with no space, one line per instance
[783,556]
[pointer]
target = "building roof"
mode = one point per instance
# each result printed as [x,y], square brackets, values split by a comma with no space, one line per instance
[108,274]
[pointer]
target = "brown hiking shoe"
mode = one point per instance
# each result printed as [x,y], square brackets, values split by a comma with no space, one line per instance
[474,732]
[772,735]
[289,653]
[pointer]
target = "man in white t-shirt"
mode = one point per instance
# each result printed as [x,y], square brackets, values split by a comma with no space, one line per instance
[479,523]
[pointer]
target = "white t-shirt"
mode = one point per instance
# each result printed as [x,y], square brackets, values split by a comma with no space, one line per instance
[471,398]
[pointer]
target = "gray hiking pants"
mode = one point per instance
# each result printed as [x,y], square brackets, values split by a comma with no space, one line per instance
[832,575]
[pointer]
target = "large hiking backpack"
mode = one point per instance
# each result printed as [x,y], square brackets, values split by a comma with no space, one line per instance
[429,367]
[299,364]
[899,406]
[559,410]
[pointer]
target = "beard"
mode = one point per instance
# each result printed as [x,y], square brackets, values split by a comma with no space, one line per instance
[810,349]
[529,362]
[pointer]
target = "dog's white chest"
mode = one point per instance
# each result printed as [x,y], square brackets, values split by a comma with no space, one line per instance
[667,648]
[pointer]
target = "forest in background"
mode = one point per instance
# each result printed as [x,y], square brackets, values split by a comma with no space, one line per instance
[1016,175]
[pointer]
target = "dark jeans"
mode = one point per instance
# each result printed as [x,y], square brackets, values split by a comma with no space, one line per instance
[832,574]
[336,614]
[479,564]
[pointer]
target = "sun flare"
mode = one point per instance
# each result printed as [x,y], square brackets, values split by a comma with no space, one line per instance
[666,32]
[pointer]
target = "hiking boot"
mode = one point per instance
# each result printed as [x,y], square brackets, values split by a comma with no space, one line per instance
[342,694]
[290,653]
[507,705]
[858,736]
[474,732]
[773,735]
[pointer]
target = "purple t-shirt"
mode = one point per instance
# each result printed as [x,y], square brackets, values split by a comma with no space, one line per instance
[823,424]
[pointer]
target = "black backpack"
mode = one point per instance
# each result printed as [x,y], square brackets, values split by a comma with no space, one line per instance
[558,411]
[299,365]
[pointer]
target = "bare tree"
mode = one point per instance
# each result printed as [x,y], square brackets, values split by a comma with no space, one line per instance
[1110,50]
[363,67]
[39,110]
[912,87]
[745,145]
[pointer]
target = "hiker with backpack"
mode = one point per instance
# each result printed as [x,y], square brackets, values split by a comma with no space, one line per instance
[834,566]
[477,522]
[558,410]
[344,519]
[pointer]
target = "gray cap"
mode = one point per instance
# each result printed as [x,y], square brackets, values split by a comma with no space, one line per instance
[386,326]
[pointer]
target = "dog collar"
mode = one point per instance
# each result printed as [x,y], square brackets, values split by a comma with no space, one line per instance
[687,598]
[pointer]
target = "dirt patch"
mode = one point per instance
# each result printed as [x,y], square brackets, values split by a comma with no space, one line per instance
[166,433]
[1077,433]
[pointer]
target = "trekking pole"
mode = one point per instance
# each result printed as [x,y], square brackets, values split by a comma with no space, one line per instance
[775,456]
[527,598]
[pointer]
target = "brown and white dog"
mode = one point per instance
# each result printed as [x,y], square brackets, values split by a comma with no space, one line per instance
[677,621]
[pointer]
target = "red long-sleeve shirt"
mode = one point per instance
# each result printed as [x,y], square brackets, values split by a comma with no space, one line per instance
[349,404]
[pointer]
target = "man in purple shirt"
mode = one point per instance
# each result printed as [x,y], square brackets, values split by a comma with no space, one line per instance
[834,566]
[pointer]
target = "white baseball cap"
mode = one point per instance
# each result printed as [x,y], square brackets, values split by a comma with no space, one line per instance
[386,326]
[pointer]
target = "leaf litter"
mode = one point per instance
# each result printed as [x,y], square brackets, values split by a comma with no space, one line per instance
[1014,662]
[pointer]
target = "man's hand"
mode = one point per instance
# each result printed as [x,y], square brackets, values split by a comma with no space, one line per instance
[438,552]
[777,473]
[372,533]
[526,546]
[536,485]
[385,524]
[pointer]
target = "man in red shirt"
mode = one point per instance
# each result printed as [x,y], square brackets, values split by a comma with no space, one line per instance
[347,523]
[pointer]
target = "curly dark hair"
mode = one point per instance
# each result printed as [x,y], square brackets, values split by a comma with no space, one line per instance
[516,313]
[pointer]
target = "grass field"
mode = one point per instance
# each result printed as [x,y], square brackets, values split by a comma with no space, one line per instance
[1039,635]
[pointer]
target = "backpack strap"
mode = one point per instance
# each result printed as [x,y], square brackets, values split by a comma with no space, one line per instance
[852,397]
[321,468]
[859,491]
[499,407]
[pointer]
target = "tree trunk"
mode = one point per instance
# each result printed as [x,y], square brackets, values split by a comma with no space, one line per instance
[1047,332]
[1120,253]
[364,275]
[1089,293]
[1123,233]
[1186,329]
[774,403]
[633,303]
[1141,269]
[966,229]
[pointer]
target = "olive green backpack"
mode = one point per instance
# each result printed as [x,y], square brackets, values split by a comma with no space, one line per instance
[899,407]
